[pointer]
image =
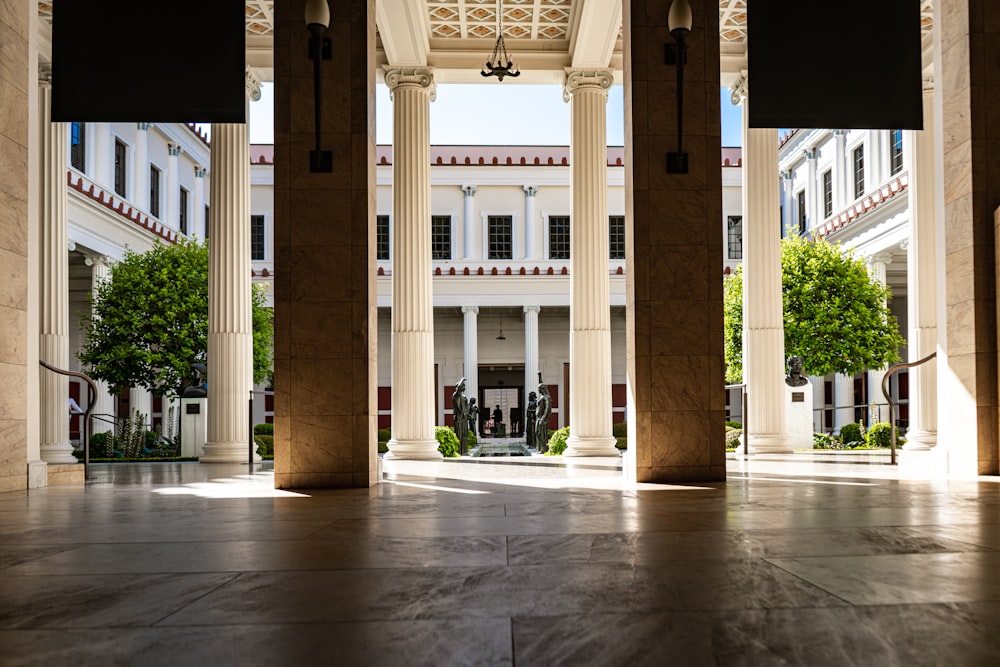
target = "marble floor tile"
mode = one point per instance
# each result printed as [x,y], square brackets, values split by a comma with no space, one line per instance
[904,578]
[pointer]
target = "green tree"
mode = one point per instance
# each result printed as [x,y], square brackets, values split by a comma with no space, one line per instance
[835,312]
[149,321]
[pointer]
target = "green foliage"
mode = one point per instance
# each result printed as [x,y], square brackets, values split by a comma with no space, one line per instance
[263,429]
[733,438]
[102,445]
[852,434]
[447,441]
[557,442]
[620,430]
[384,434]
[732,424]
[262,319]
[835,312]
[470,440]
[825,441]
[265,445]
[383,448]
[879,436]
[149,321]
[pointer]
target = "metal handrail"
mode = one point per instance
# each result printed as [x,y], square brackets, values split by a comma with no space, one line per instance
[892,404]
[746,433]
[85,427]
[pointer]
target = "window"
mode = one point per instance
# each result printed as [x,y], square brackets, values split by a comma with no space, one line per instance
[121,166]
[616,236]
[558,237]
[256,237]
[154,191]
[859,171]
[827,193]
[206,221]
[896,153]
[803,220]
[78,145]
[735,237]
[440,237]
[382,237]
[501,236]
[183,218]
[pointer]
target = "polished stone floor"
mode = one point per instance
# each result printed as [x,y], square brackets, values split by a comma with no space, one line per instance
[793,561]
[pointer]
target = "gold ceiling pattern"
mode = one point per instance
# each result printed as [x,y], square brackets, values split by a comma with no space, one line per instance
[522,19]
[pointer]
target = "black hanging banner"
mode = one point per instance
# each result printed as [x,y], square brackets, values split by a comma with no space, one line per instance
[131,61]
[848,64]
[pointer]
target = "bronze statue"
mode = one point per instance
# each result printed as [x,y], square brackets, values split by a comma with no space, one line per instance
[544,409]
[460,412]
[474,416]
[795,377]
[529,419]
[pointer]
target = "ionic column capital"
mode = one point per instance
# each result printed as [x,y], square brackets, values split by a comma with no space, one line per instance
[738,90]
[45,75]
[883,258]
[199,171]
[471,309]
[469,190]
[587,79]
[532,309]
[420,78]
[530,190]
[142,127]
[173,150]
[252,82]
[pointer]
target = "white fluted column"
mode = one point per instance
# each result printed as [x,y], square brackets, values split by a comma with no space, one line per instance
[141,401]
[530,349]
[470,344]
[104,402]
[763,323]
[787,206]
[140,167]
[812,190]
[840,171]
[198,215]
[468,222]
[412,303]
[54,293]
[230,330]
[530,223]
[877,267]
[873,159]
[590,433]
[843,394]
[921,281]
[172,200]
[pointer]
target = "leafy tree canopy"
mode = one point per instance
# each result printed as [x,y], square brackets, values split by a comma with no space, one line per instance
[149,321]
[835,312]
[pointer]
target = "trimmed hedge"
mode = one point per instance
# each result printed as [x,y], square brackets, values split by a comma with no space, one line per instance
[265,445]
[852,434]
[557,442]
[447,441]
[263,429]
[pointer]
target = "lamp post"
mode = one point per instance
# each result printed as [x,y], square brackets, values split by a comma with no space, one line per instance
[679,21]
[317,21]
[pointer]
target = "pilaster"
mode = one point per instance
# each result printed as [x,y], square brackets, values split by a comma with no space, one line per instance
[469,222]
[530,348]
[530,223]
[172,200]
[470,346]
[198,214]
[140,167]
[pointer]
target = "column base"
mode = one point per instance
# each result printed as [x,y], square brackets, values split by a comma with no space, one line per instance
[58,454]
[38,476]
[227,452]
[920,441]
[413,450]
[770,444]
[591,446]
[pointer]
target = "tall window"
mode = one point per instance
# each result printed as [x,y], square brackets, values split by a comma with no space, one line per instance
[154,191]
[382,237]
[558,237]
[121,167]
[616,236]
[827,193]
[440,237]
[500,234]
[183,219]
[735,238]
[206,221]
[896,153]
[78,145]
[256,237]
[859,171]
[800,199]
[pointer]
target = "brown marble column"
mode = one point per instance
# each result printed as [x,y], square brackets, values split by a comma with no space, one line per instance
[324,242]
[674,256]
[969,33]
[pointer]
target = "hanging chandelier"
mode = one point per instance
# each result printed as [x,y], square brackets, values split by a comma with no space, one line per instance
[499,63]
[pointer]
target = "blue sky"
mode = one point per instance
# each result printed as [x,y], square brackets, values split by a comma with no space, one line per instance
[517,114]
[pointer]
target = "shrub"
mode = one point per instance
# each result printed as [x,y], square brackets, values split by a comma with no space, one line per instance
[879,436]
[733,438]
[265,445]
[620,430]
[384,434]
[851,434]
[825,441]
[557,442]
[732,424]
[447,441]
[102,445]
[470,440]
[621,443]
[263,429]
[383,448]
